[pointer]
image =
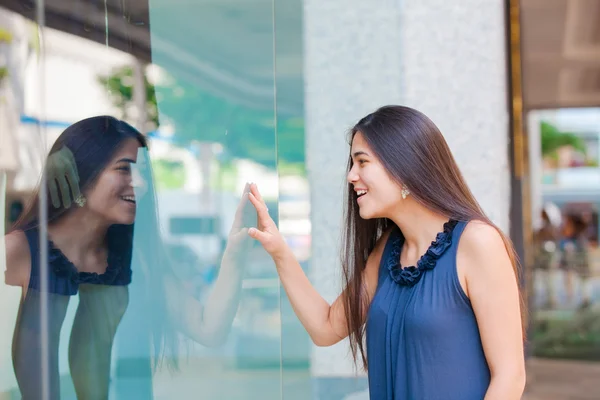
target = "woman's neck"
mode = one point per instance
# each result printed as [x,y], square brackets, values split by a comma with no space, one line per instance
[419,226]
[79,232]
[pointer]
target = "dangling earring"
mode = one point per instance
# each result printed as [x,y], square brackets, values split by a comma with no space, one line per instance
[80,200]
[405,192]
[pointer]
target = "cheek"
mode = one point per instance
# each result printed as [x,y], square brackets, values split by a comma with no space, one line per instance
[107,189]
[390,191]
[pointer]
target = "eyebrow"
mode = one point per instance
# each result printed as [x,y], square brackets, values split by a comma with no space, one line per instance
[360,153]
[127,160]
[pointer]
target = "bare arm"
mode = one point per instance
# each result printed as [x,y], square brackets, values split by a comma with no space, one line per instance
[492,287]
[209,323]
[18,260]
[326,324]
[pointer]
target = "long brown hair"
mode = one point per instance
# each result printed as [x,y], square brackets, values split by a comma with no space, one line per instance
[413,151]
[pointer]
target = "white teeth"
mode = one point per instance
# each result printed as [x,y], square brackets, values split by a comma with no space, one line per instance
[361,192]
[128,198]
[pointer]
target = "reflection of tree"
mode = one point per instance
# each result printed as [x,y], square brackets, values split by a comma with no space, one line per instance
[553,140]
[5,38]
[120,86]
[199,116]
[169,174]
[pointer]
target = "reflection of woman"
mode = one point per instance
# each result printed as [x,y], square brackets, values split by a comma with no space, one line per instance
[545,247]
[90,250]
[575,257]
[426,271]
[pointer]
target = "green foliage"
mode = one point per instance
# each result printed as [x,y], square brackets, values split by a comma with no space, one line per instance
[198,115]
[5,36]
[120,88]
[553,139]
[575,337]
[169,174]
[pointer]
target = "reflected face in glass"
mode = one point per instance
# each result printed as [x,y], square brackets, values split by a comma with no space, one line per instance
[377,194]
[112,197]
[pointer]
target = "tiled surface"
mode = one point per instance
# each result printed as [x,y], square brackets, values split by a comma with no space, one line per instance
[562,380]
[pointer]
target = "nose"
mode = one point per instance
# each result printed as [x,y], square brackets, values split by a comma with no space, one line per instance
[352,176]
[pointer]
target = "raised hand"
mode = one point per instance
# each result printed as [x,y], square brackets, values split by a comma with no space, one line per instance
[266,231]
[61,172]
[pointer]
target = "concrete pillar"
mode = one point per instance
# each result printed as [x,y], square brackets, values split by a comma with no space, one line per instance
[446,59]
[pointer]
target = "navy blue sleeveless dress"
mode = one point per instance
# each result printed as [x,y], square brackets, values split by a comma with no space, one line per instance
[99,308]
[421,333]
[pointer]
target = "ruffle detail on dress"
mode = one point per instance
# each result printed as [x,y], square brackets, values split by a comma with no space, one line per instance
[409,276]
[64,268]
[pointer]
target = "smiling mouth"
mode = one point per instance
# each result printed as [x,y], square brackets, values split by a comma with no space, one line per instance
[360,193]
[129,199]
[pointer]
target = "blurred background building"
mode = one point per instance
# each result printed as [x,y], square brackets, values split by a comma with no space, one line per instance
[264,90]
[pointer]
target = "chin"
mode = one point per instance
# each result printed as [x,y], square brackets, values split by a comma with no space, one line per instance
[365,214]
[125,219]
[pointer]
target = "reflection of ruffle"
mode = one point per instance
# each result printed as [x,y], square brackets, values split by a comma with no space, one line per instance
[409,276]
[64,278]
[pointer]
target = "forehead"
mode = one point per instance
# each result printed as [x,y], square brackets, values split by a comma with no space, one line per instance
[359,143]
[127,149]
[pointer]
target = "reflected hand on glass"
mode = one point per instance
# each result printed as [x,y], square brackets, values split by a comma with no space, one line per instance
[266,231]
[62,173]
[237,241]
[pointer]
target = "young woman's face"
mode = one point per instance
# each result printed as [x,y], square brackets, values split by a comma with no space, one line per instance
[112,197]
[378,194]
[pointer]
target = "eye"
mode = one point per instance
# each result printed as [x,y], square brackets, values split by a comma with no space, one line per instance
[361,162]
[124,168]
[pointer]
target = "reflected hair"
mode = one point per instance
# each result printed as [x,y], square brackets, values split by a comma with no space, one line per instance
[93,142]
[414,153]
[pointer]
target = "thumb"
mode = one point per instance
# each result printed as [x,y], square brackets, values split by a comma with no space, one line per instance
[256,234]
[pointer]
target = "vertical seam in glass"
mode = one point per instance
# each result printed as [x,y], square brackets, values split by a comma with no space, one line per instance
[43,223]
[274,19]
[107,85]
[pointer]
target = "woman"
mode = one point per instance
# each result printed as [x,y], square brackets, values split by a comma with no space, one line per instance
[545,244]
[574,259]
[429,278]
[91,246]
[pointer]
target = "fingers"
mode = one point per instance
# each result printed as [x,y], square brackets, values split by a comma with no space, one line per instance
[256,193]
[258,235]
[53,189]
[240,211]
[72,172]
[64,191]
[261,208]
[74,187]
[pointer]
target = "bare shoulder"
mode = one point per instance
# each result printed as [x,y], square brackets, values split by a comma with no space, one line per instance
[480,237]
[482,253]
[18,259]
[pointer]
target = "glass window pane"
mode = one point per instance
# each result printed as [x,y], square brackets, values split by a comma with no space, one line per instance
[158,115]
